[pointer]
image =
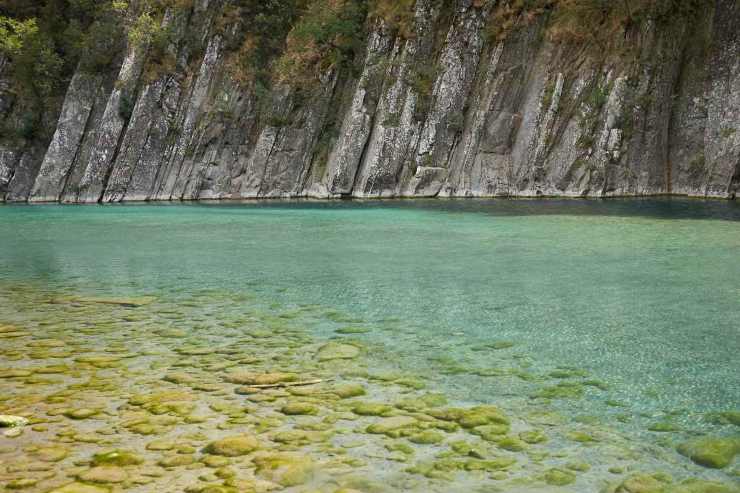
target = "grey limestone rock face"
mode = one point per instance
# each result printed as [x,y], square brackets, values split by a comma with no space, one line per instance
[65,143]
[96,173]
[445,110]
[345,157]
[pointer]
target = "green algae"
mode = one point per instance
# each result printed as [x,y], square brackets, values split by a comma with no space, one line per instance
[80,488]
[299,409]
[715,453]
[371,409]
[347,391]
[559,477]
[284,468]
[116,458]
[233,446]
[427,437]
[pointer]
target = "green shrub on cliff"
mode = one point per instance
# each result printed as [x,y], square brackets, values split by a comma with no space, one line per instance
[328,35]
[254,32]
[397,14]
[600,23]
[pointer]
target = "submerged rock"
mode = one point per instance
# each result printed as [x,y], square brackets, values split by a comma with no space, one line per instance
[512,444]
[641,483]
[349,390]
[337,350]
[10,421]
[233,446]
[372,409]
[299,408]
[715,453]
[726,418]
[116,458]
[533,436]
[700,486]
[177,460]
[80,488]
[51,454]
[21,484]
[251,378]
[82,413]
[559,477]
[124,302]
[104,474]
[427,437]
[390,426]
[285,469]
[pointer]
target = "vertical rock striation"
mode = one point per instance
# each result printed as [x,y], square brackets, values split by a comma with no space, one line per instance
[443,110]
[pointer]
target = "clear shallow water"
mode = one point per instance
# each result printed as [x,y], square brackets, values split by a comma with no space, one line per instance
[639,299]
[644,293]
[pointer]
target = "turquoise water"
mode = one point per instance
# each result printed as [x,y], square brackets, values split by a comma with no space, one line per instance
[640,299]
[644,293]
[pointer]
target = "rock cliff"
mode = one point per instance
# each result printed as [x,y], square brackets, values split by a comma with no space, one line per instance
[445,110]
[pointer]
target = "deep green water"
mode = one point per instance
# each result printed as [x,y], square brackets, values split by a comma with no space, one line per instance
[643,296]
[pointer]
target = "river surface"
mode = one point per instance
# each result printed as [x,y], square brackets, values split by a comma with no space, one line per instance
[612,328]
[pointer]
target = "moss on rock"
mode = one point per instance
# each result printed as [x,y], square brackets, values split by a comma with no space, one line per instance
[715,453]
[233,446]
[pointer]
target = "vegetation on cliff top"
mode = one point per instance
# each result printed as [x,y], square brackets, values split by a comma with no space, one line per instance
[270,41]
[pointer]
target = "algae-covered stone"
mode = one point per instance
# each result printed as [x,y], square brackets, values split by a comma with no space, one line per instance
[285,469]
[296,437]
[578,466]
[51,453]
[349,390]
[533,436]
[82,413]
[491,465]
[371,409]
[215,461]
[116,458]
[715,453]
[337,350]
[161,445]
[299,408]
[701,486]
[641,483]
[80,488]
[491,433]
[389,426]
[482,415]
[14,373]
[104,474]
[217,488]
[559,477]
[511,444]
[726,418]
[581,437]
[21,484]
[563,390]
[180,378]
[502,345]
[9,421]
[404,448]
[427,437]
[252,378]
[176,460]
[353,330]
[664,427]
[131,302]
[233,446]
